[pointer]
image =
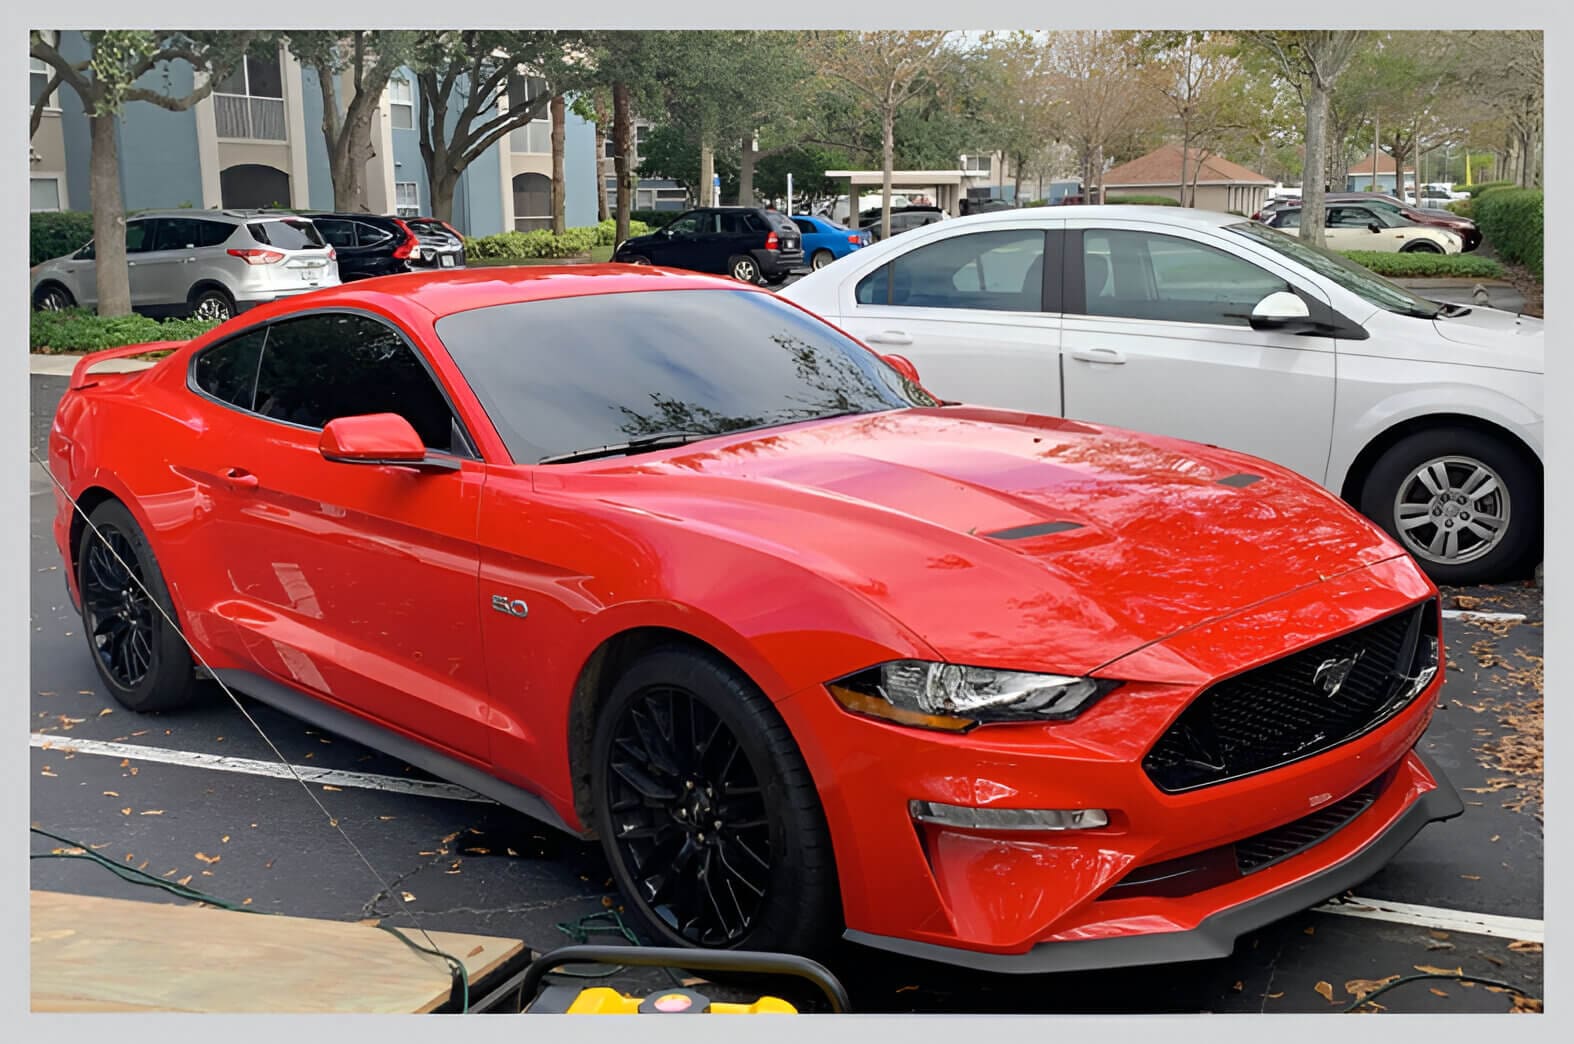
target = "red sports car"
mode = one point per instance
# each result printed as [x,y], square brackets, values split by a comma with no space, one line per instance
[665,560]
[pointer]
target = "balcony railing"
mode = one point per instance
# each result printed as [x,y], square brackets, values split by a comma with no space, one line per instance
[243,116]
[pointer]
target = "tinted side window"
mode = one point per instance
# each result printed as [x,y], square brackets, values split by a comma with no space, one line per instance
[1142,275]
[287,234]
[1349,217]
[370,235]
[805,226]
[139,236]
[174,234]
[213,233]
[228,371]
[1287,219]
[335,233]
[321,367]
[997,271]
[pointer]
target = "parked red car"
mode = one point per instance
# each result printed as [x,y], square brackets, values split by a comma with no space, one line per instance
[663,559]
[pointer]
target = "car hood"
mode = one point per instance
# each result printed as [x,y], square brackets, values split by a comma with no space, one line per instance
[1007,539]
[1508,341]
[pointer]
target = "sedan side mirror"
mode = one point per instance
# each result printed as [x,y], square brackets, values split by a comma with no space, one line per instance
[902,365]
[1280,310]
[373,438]
[1373,226]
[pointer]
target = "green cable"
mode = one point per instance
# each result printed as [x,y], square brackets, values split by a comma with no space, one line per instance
[1435,975]
[456,968]
[580,932]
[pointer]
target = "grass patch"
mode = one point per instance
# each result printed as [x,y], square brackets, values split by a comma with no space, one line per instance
[597,255]
[76,332]
[1427,266]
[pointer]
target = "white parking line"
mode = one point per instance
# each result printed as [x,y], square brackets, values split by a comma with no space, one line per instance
[1436,917]
[1470,614]
[253,767]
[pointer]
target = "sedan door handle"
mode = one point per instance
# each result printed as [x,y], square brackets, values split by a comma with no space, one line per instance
[1107,356]
[240,478]
[889,337]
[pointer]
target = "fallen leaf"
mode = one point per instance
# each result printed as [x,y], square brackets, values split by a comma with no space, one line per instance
[369,920]
[1471,877]
[46,772]
[1326,991]
[132,770]
[899,989]
[1524,946]
[245,902]
[224,840]
[477,851]
[144,732]
[450,837]
[1494,837]
[385,818]
[152,812]
[330,786]
[210,860]
[184,880]
[125,811]
[106,710]
[606,900]
[1359,988]
[169,872]
[1434,933]
[475,951]
[407,897]
[1435,944]
[1275,996]
[1495,960]
[124,762]
[1310,929]
[1239,986]
[1438,992]
[1432,969]
[1524,1004]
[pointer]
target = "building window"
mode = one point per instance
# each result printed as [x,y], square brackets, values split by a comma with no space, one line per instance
[533,202]
[976,164]
[407,199]
[401,104]
[38,75]
[45,193]
[535,136]
[249,102]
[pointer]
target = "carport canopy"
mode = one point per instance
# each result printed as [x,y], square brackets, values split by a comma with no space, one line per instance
[947,184]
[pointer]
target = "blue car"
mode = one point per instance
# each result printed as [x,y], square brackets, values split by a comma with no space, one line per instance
[824,240]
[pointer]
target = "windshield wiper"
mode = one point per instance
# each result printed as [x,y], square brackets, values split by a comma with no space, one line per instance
[656,440]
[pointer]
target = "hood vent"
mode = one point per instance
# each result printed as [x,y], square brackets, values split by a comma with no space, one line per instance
[1037,529]
[1239,481]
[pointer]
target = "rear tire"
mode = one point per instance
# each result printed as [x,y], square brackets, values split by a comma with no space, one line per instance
[212,304]
[744,268]
[138,651]
[1466,505]
[821,258]
[765,879]
[636,259]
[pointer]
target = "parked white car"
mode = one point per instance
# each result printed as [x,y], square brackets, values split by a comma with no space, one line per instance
[1362,226]
[1426,416]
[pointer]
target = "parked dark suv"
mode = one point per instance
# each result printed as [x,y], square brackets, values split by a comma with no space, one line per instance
[903,219]
[754,244]
[370,245]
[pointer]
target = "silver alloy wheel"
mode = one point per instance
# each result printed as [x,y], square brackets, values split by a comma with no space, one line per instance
[745,270]
[53,300]
[821,259]
[1452,510]
[212,308]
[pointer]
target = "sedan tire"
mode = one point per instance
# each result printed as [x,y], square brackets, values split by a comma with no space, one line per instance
[707,812]
[1465,504]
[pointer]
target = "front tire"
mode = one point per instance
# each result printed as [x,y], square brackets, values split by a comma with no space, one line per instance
[1465,504]
[707,813]
[821,258]
[1421,246]
[52,297]
[744,269]
[138,650]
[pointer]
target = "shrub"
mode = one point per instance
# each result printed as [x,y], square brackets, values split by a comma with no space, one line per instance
[76,330]
[542,244]
[1486,186]
[655,219]
[1511,220]
[1427,266]
[1463,207]
[56,233]
[1153,201]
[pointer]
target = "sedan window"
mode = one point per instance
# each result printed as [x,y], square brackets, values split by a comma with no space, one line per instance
[998,271]
[318,368]
[567,375]
[805,226]
[1143,275]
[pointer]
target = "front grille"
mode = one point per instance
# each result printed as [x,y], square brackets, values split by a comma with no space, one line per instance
[1270,846]
[1298,706]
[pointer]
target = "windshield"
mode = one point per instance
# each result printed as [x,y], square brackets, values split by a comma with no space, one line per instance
[571,374]
[1361,281]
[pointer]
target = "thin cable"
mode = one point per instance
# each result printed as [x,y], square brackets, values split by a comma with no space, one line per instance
[1435,975]
[333,821]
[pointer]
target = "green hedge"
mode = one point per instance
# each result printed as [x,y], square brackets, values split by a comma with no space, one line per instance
[55,234]
[542,244]
[1151,201]
[1486,186]
[75,330]
[654,219]
[1511,220]
[1463,207]
[1427,266]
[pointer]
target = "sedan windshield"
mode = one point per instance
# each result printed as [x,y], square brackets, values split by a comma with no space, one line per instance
[1358,280]
[577,377]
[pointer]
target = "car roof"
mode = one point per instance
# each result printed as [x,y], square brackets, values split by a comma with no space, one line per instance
[445,292]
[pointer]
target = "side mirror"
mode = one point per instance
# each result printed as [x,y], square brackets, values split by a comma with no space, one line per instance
[902,365]
[1373,226]
[374,438]
[1280,310]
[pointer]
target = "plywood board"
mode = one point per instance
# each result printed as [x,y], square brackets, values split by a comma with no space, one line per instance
[94,954]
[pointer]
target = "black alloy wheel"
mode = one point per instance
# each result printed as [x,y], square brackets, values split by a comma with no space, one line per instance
[119,615]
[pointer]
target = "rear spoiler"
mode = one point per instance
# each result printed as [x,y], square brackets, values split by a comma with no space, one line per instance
[79,373]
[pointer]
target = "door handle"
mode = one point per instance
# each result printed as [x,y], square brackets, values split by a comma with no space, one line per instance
[1107,356]
[889,337]
[240,478]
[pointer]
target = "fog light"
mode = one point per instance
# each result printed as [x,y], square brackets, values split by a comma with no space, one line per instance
[1008,818]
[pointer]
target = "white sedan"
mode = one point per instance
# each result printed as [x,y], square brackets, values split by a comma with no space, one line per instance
[1426,416]
[1361,226]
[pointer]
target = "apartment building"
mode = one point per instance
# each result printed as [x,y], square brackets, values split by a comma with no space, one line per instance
[256,141]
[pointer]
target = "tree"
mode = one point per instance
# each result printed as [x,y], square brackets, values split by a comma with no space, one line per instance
[462,77]
[371,57]
[116,73]
[1507,68]
[559,112]
[1021,114]
[1103,83]
[1312,60]
[1199,77]
[882,72]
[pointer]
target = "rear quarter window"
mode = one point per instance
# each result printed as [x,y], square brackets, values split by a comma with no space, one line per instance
[287,234]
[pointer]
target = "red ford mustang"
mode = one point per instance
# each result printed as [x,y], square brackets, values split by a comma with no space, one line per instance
[665,560]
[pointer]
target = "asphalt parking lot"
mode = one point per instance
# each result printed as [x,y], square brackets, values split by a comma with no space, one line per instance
[198,794]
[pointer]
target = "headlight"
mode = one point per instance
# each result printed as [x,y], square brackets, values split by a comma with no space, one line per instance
[955,698]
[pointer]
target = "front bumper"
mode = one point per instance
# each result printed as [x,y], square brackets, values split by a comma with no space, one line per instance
[1041,900]
[1215,936]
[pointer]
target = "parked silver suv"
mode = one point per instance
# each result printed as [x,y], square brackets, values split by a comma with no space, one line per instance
[207,263]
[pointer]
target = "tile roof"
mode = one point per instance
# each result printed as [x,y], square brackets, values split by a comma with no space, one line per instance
[1162,166]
